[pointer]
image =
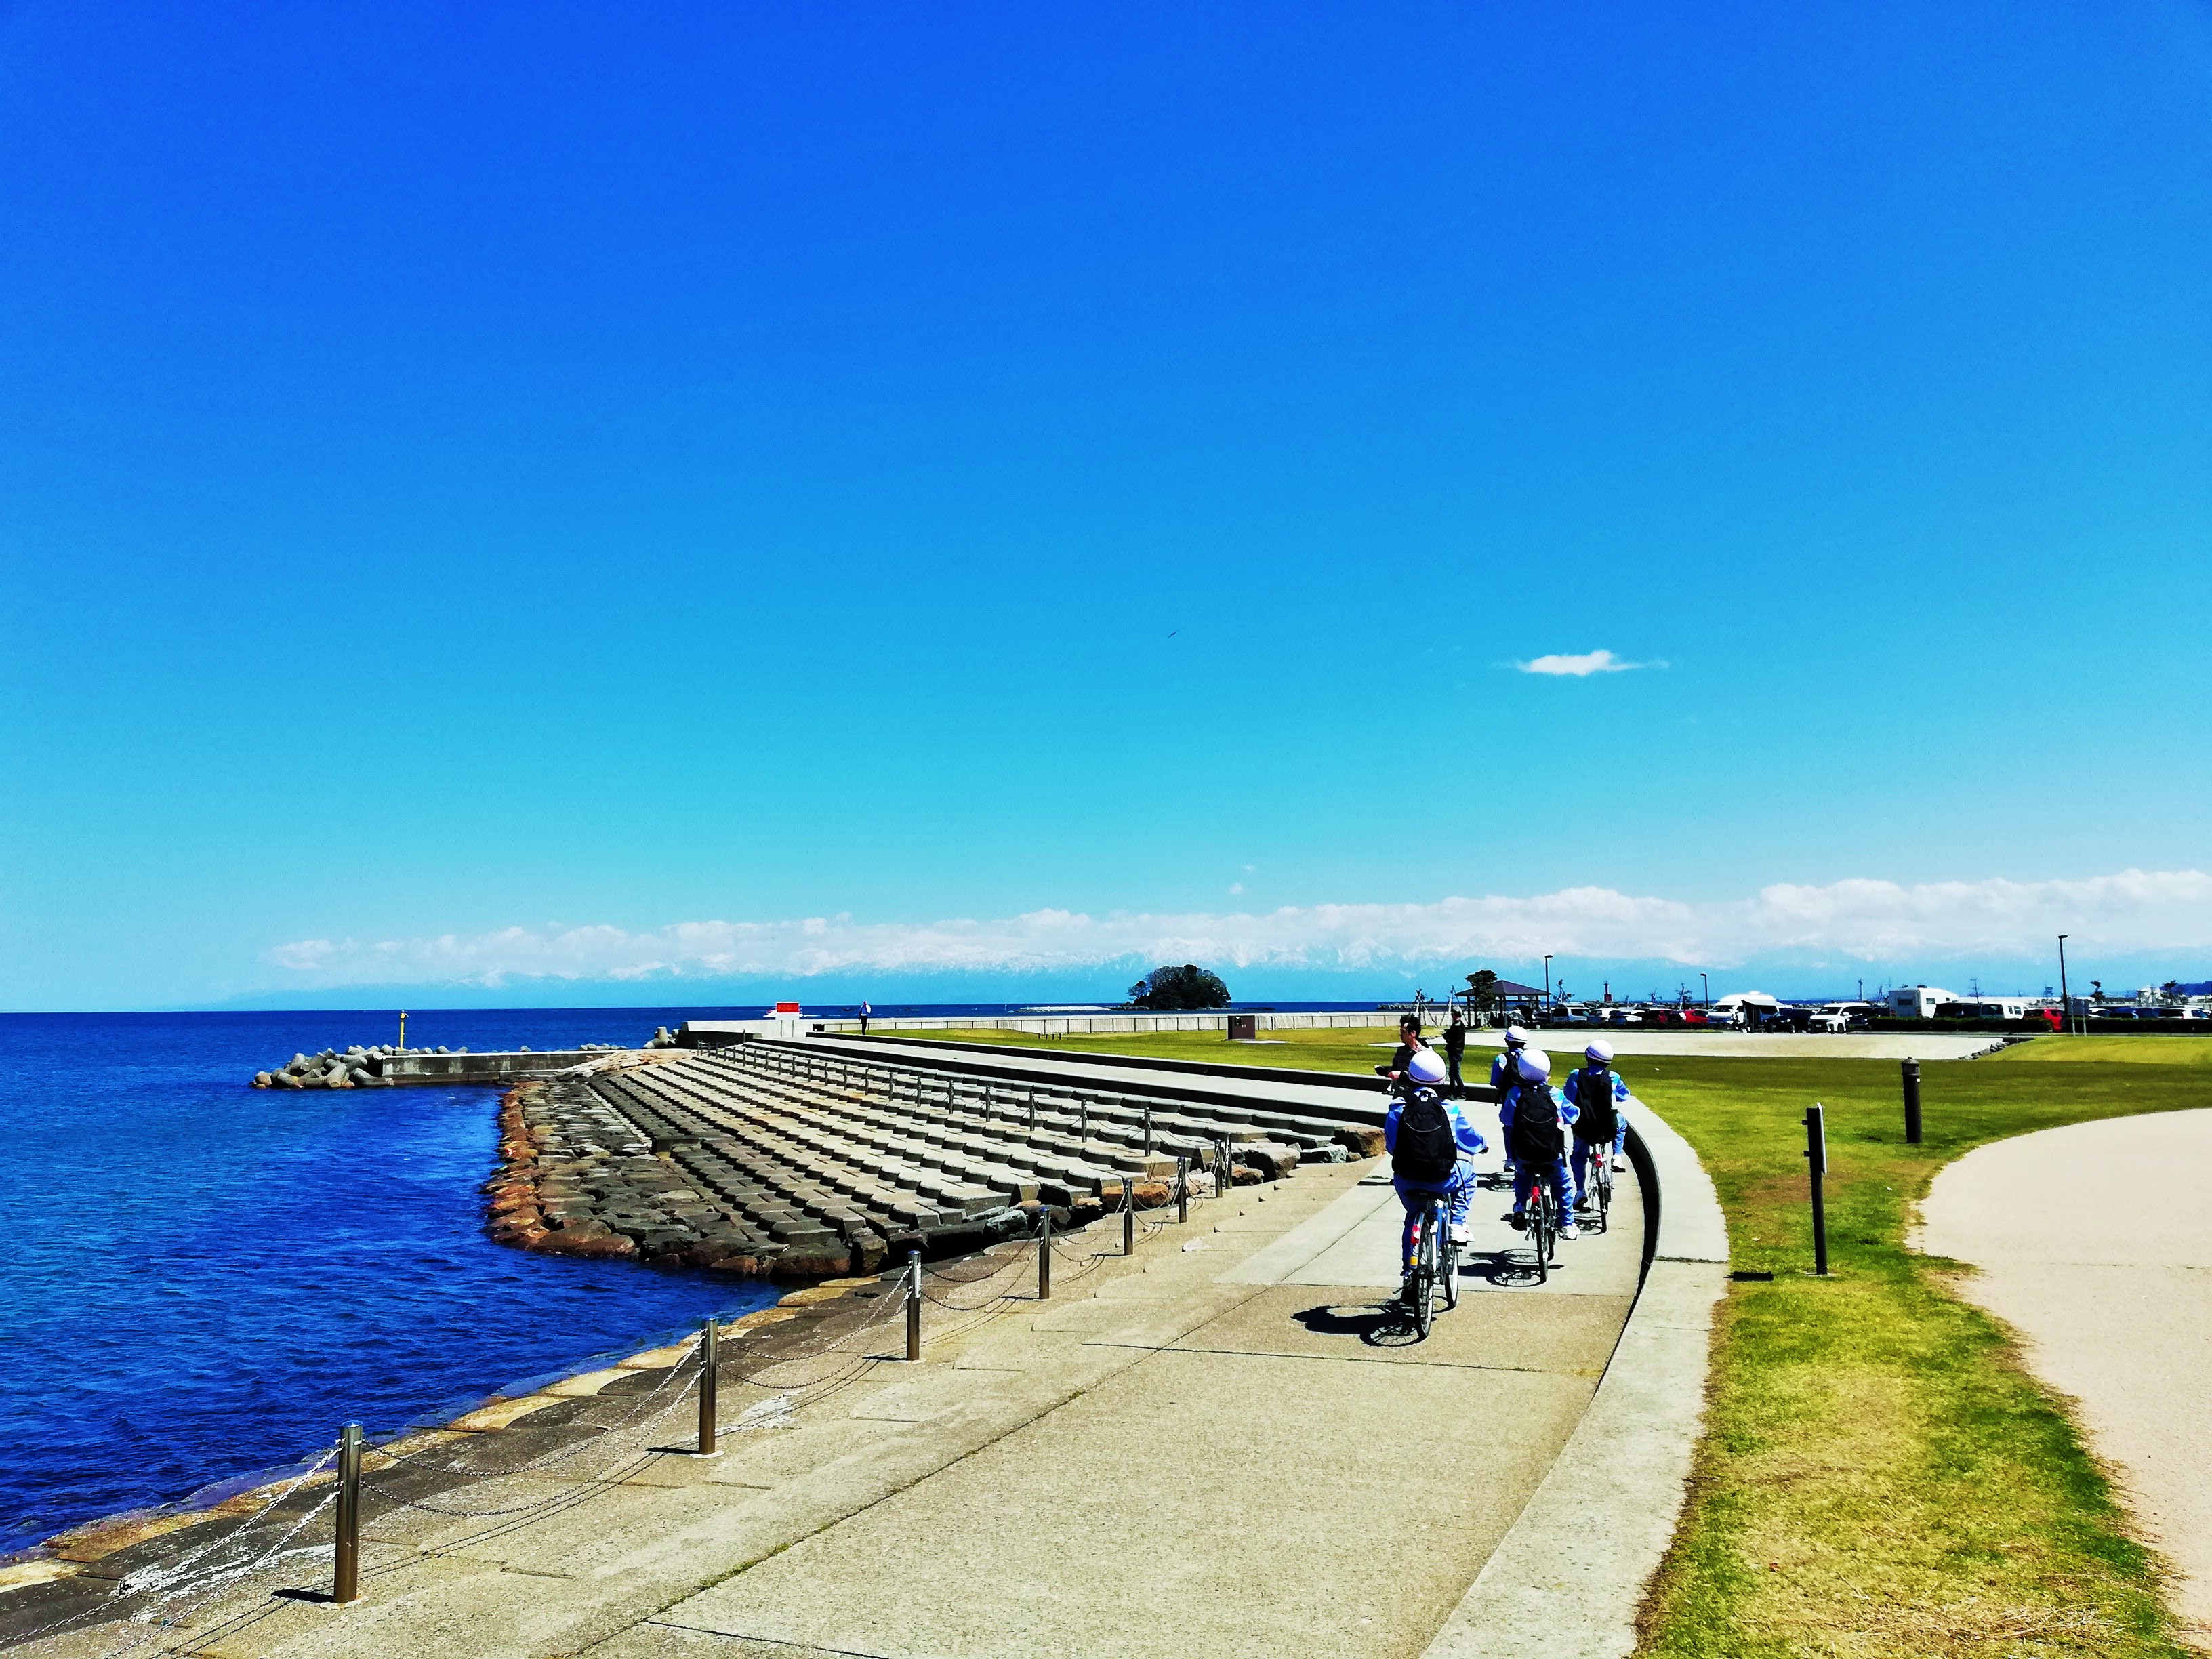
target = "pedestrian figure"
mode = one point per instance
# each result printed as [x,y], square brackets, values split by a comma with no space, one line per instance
[1454,1051]
[865,1012]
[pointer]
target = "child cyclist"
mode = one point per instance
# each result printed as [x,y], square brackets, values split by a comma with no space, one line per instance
[1503,1076]
[1537,1118]
[1429,1142]
[1601,1100]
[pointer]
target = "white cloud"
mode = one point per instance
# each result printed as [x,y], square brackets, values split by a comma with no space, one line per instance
[1859,921]
[1236,889]
[1589,662]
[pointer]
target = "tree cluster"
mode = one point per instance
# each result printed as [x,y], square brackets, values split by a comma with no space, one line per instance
[1176,990]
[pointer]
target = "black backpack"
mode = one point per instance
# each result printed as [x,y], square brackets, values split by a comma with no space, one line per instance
[1426,1150]
[1593,1092]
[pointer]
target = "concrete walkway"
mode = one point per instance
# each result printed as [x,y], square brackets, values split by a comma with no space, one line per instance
[1217,1446]
[1563,1044]
[2094,1242]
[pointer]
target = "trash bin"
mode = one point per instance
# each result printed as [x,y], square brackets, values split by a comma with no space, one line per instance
[1243,1028]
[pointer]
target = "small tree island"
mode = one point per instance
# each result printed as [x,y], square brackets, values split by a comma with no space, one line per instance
[1176,990]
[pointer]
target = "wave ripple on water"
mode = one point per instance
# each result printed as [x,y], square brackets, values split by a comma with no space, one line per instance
[204,1280]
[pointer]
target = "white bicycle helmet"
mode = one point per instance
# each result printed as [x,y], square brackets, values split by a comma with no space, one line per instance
[1536,1065]
[1516,1037]
[1425,1067]
[1600,1052]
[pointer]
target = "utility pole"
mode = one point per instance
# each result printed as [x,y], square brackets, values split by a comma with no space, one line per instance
[2065,1002]
[1547,981]
[1707,983]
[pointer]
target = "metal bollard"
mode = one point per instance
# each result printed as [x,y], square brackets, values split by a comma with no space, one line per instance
[1032,1108]
[1044,1256]
[1183,1188]
[1148,1132]
[914,1304]
[1816,1155]
[709,1363]
[1083,1107]
[1128,1215]
[345,1573]
[1912,1103]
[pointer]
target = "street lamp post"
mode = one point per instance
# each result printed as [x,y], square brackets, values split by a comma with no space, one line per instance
[1547,981]
[1708,984]
[2065,1002]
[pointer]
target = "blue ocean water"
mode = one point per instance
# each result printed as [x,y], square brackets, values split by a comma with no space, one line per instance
[203,1280]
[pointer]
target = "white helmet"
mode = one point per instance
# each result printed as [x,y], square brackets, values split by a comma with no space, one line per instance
[1601,1051]
[1516,1036]
[1535,1065]
[1425,1067]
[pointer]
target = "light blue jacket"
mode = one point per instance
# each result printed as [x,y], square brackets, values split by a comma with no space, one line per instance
[1464,1134]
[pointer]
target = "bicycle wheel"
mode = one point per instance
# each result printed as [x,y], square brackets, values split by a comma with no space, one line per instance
[1540,1230]
[1604,1192]
[1448,1271]
[1425,1275]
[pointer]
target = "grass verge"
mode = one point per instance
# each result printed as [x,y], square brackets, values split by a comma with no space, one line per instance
[1879,1479]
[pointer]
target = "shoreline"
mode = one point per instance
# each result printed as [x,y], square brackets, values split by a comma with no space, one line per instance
[109,1552]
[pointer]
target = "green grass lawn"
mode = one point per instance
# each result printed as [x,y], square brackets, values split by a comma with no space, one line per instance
[1878,1477]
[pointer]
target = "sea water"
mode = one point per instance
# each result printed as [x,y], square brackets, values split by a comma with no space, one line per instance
[199,1279]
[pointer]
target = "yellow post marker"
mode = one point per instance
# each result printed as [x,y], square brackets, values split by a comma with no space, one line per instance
[402,1030]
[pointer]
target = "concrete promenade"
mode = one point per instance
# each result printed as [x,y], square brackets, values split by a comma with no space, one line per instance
[1565,1043]
[2094,1242]
[1213,1447]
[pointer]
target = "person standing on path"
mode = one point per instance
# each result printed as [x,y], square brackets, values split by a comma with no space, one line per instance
[865,1012]
[1454,1051]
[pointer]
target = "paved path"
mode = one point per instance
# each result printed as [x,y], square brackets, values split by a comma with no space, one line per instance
[2095,1242]
[1767,1045]
[1568,1043]
[1209,1447]
[1073,1071]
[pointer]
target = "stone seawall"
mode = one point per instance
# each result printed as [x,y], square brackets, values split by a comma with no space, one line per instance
[760,1160]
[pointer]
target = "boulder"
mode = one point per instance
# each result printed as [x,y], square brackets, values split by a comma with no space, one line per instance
[261,1079]
[523,1229]
[568,1242]
[1361,1140]
[287,1080]
[811,1265]
[1272,1158]
[361,1077]
[736,1267]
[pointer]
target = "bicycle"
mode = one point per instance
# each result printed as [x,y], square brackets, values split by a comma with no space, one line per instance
[1600,1180]
[1434,1276]
[1543,1219]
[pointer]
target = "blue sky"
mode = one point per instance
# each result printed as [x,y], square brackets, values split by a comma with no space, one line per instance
[473,475]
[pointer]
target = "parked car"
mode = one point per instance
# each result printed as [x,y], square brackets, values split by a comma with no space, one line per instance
[1694,1017]
[1621,1014]
[1664,1017]
[1833,1022]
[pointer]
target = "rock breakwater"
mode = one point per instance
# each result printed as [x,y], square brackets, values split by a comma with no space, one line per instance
[761,1160]
[359,1067]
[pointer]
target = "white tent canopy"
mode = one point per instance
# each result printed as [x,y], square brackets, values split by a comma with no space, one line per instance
[1756,998]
